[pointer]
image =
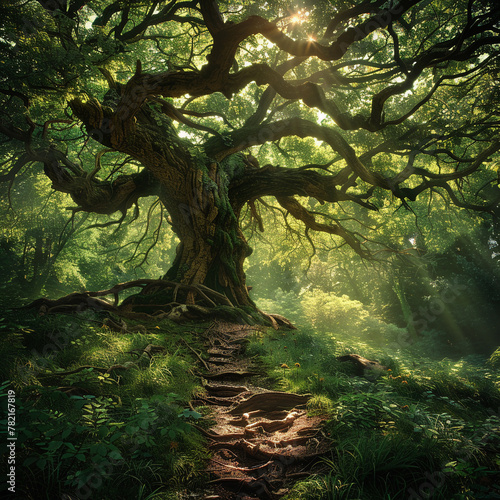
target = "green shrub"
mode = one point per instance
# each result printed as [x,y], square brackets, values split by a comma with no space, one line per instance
[494,359]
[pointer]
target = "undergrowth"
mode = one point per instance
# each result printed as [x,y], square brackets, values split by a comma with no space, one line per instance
[97,433]
[99,417]
[422,429]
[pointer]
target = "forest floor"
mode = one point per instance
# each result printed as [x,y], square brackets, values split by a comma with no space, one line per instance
[262,441]
[103,412]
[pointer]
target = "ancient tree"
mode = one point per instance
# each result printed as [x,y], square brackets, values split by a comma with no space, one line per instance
[401,95]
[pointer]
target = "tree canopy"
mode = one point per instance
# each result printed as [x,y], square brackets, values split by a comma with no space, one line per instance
[230,115]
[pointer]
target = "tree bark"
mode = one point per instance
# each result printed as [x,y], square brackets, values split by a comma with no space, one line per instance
[194,190]
[212,248]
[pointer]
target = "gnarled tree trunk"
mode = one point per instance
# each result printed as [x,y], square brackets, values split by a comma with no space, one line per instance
[193,188]
[212,247]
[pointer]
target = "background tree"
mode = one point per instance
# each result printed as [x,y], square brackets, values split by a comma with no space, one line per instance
[351,107]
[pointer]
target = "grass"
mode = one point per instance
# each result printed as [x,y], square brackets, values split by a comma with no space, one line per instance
[423,429]
[394,430]
[123,434]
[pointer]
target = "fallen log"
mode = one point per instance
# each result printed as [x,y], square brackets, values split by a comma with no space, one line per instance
[362,364]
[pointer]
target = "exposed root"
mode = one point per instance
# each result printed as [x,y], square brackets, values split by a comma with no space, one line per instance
[228,374]
[122,327]
[73,390]
[245,483]
[219,361]
[125,366]
[225,438]
[283,443]
[263,442]
[156,300]
[149,350]
[151,287]
[203,362]
[277,320]
[222,353]
[244,419]
[244,469]
[262,451]
[274,425]
[225,390]
[269,401]
[213,401]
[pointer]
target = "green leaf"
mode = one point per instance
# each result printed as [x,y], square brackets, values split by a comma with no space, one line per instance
[54,445]
[131,429]
[103,432]
[114,437]
[191,413]
[115,455]
[102,449]
[65,433]
[41,463]
[29,461]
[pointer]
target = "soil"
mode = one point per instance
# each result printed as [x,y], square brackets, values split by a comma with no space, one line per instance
[262,441]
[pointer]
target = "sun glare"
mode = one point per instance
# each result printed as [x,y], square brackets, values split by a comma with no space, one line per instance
[299,17]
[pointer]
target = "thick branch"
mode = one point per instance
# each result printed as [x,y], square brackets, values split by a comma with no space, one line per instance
[365,7]
[351,35]
[216,77]
[246,137]
[475,164]
[104,197]
[283,182]
[151,19]
[300,213]
[227,37]
[212,16]
[90,193]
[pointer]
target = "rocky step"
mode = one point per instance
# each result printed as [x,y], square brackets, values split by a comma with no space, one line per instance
[226,352]
[230,374]
[270,401]
[224,390]
[220,361]
[262,441]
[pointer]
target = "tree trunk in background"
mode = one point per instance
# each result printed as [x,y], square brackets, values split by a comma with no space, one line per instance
[405,308]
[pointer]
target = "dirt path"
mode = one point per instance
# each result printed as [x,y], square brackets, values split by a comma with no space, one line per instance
[262,441]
